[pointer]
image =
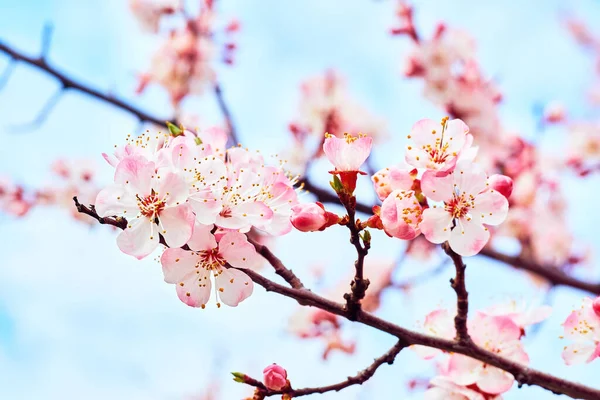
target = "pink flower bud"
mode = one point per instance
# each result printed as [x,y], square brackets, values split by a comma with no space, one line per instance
[502,184]
[275,377]
[347,154]
[596,306]
[308,217]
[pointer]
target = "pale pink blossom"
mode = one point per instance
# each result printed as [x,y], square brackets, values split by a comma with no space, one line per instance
[191,270]
[401,215]
[443,388]
[386,180]
[583,328]
[467,207]
[275,377]
[347,154]
[554,113]
[150,12]
[521,314]
[499,335]
[437,323]
[153,202]
[436,146]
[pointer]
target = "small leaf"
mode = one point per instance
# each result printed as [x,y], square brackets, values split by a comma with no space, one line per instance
[239,377]
[174,129]
[336,184]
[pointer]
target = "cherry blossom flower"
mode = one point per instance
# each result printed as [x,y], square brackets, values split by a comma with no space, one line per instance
[522,315]
[443,388]
[401,215]
[499,335]
[437,147]
[467,207]
[583,328]
[191,270]
[386,180]
[275,377]
[12,199]
[348,153]
[312,217]
[154,203]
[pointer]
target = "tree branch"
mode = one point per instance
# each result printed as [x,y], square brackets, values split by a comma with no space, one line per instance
[358,379]
[280,269]
[522,374]
[69,83]
[462,296]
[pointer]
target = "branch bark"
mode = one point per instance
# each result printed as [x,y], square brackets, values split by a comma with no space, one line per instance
[358,379]
[523,374]
[462,296]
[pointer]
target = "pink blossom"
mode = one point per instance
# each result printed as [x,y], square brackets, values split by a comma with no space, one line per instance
[154,203]
[275,377]
[467,207]
[583,328]
[499,335]
[347,154]
[149,12]
[389,179]
[554,113]
[502,184]
[437,146]
[519,313]
[401,214]
[437,323]
[443,388]
[191,270]
[310,217]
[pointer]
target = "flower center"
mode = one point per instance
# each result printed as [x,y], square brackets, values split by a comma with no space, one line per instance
[459,205]
[151,206]
[225,212]
[211,260]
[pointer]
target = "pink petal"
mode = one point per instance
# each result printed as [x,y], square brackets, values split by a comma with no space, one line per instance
[441,324]
[469,178]
[205,205]
[202,238]
[245,215]
[421,132]
[437,188]
[464,370]
[494,380]
[491,208]
[116,200]
[172,187]
[178,265]
[135,172]
[416,157]
[455,135]
[426,353]
[436,224]
[578,353]
[139,239]
[177,224]
[468,237]
[237,251]
[233,286]
[195,291]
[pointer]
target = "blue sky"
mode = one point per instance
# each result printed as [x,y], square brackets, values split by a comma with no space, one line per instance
[79,319]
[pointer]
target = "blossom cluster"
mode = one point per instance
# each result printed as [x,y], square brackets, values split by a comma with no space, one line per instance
[186,190]
[440,192]
[184,63]
[499,330]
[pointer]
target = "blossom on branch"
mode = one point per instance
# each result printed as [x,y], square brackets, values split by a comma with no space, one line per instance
[583,328]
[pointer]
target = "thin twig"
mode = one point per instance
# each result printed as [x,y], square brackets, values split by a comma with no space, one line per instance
[42,114]
[358,379]
[462,296]
[280,269]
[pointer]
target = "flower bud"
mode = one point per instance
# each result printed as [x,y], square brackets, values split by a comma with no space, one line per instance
[311,217]
[308,217]
[502,184]
[275,377]
[596,306]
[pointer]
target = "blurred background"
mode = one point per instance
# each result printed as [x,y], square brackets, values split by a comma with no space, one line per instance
[80,319]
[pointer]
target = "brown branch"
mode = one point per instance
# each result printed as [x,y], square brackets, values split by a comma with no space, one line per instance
[358,379]
[232,131]
[462,296]
[522,374]
[359,285]
[553,275]
[280,269]
[66,82]
[325,196]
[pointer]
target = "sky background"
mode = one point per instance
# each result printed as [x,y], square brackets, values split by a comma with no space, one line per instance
[81,320]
